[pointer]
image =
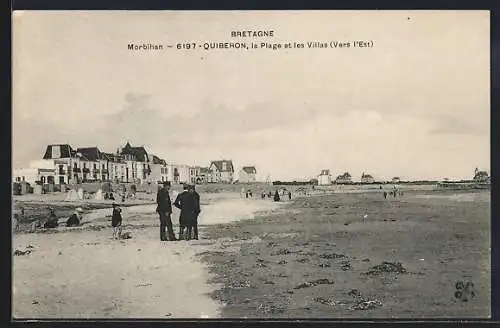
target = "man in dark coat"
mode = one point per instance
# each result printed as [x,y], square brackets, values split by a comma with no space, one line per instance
[197,210]
[276,196]
[186,202]
[164,209]
[177,203]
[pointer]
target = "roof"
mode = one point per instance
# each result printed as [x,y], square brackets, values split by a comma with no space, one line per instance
[140,153]
[65,151]
[91,153]
[249,169]
[325,172]
[366,176]
[157,160]
[204,170]
[219,166]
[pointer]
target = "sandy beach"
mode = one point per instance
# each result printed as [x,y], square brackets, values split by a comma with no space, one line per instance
[341,255]
[83,273]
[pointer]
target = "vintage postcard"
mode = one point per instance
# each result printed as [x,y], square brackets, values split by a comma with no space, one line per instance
[251,164]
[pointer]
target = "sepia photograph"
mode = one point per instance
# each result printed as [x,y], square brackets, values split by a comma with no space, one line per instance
[251,164]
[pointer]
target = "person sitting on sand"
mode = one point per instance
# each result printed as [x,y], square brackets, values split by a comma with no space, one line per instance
[52,222]
[75,219]
[116,221]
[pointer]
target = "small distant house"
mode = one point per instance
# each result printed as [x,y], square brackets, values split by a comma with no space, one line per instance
[324,178]
[396,180]
[202,174]
[247,174]
[222,171]
[481,176]
[367,178]
[344,178]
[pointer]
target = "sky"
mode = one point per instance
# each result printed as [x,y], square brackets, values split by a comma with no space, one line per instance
[415,105]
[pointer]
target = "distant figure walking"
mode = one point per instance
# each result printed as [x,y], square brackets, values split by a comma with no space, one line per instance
[270,194]
[289,195]
[177,202]
[116,221]
[263,195]
[75,219]
[276,196]
[385,194]
[52,222]
[189,205]
[164,209]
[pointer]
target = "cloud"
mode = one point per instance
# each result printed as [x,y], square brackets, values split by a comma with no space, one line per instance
[458,125]
[212,124]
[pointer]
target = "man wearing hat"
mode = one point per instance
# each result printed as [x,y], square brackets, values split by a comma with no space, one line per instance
[164,209]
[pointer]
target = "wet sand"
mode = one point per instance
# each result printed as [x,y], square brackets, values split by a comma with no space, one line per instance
[323,257]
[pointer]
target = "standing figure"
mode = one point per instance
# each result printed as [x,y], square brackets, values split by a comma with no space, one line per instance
[116,221]
[276,196]
[164,209]
[289,195]
[187,203]
[177,203]
[385,194]
[197,211]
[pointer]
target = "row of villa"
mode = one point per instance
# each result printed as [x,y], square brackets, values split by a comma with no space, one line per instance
[62,164]
[325,178]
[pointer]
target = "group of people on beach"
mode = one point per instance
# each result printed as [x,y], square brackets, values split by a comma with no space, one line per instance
[248,194]
[188,202]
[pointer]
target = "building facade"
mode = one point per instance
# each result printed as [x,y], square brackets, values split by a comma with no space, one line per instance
[367,178]
[344,178]
[221,171]
[61,164]
[324,178]
[247,174]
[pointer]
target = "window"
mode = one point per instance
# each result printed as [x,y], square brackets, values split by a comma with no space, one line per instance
[95,166]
